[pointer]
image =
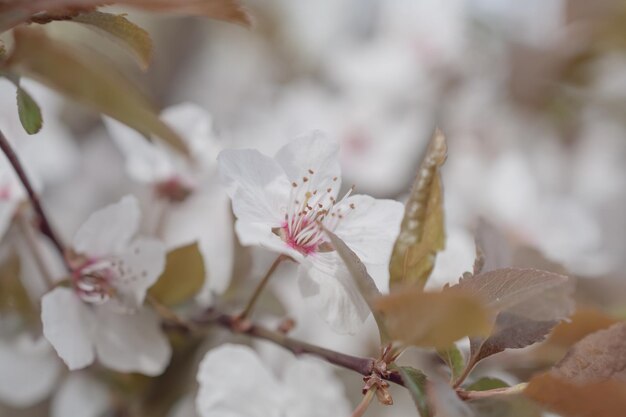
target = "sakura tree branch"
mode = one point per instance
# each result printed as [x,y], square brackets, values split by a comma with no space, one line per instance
[363,366]
[44,224]
[33,246]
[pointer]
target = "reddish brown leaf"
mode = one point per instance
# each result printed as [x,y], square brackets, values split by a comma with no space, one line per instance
[598,356]
[597,399]
[433,319]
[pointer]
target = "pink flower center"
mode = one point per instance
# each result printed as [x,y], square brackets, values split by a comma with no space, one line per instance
[309,208]
[93,281]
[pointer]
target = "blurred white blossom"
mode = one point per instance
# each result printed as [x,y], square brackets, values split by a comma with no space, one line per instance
[234,382]
[101,314]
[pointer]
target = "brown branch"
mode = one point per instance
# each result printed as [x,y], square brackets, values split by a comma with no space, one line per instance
[44,224]
[363,366]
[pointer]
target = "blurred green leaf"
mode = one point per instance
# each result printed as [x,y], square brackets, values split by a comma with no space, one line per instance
[486,383]
[13,295]
[422,233]
[90,81]
[183,276]
[454,359]
[29,112]
[133,37]
[364,282]
[415,381]
[433,319]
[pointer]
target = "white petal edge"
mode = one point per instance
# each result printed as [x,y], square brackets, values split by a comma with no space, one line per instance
[313,390]
[109,230]
[81,396]
[371,228]
[327,285]
[145,161]
[30,370]
[312,151]
[256,184]
[141,264]
[131,342]
[67,324]
[234,382]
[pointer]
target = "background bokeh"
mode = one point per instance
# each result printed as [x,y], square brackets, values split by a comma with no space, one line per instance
[530,94]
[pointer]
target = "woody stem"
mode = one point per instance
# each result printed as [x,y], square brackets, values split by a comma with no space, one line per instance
[360,410]
[44,224]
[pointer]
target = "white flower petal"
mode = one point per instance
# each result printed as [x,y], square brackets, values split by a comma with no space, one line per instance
[205,217]
[131,342]
[257,185]
[312,390]
[67,324]
[80,396]
[194,125]
[145,161]
[234,382]
[258,234]
[30,370]
[141,264]
[185,407]
[327,284]
[313,151]
[371,228]
[109,230]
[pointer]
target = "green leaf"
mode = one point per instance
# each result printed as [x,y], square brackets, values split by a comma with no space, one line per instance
[133,37]
[454,359]
[422,232]
[29,112]
[183,276]
[88,80]
[13,296]
[486,383]
[433,319]
[364,282]
[415,381]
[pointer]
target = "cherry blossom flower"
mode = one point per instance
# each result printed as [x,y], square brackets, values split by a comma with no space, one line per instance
[200,209]
[235,383]
[102,314]
[80,395]
[280,204]
[30,369]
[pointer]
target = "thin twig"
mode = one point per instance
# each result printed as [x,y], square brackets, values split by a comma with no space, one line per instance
[360,410]
[35,250]
[466,371]
[259,289]
[44,225]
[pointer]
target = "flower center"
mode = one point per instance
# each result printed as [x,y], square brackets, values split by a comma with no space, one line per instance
[93,281]
[308,209]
